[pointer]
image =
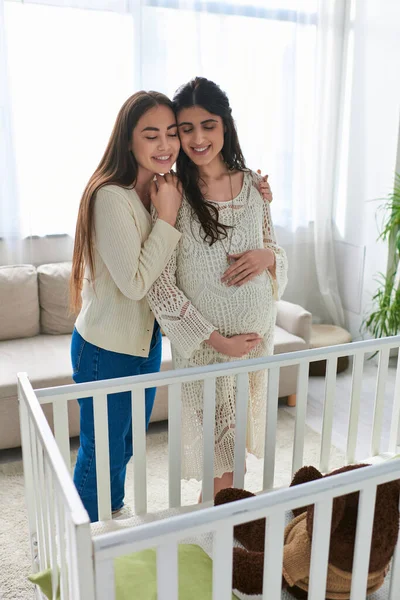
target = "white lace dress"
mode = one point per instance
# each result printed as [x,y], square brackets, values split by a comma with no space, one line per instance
[190,302]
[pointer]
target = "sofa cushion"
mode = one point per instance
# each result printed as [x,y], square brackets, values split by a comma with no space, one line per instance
[287,342]
[46,359]
[55,316]
[10,435]
[19,302]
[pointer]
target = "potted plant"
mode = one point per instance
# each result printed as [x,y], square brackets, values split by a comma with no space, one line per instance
[384,318]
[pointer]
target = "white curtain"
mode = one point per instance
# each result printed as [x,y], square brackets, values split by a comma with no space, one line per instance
[333,16]
[9,205]
[83,58]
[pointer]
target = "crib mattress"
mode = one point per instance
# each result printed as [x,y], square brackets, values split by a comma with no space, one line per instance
[205,541]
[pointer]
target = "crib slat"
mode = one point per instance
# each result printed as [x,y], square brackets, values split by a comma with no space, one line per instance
[71,561]
[208,439]
[320,549]
[330,387]
[174,444]
[28,467]
[60,532]
[222,562]
[83,561]
[80,562]
[242,400]
[273,556]
[301,407]
[52,530]
[36,497]
[358,367]
[270,428]
[61,429]
[379,401]
[100,414]
[139,449]
[167,571]
[394,440]
[39,506]
[366,508]
[105,580]
[43,504]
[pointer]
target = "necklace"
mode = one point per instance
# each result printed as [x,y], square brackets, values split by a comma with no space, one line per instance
[228,251]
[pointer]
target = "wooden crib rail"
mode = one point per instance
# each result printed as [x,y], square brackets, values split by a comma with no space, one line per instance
[58,523]
[174,380]
[165,536]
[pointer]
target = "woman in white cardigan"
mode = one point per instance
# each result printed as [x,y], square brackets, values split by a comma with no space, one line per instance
[118,255]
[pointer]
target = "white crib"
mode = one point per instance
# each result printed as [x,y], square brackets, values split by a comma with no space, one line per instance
[82,564]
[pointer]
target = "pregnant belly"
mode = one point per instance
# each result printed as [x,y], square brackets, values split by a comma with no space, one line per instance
[245,309]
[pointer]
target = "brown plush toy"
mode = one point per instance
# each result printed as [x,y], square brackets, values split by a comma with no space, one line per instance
[248,563]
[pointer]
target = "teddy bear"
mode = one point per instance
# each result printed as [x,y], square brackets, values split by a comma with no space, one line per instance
[248,562]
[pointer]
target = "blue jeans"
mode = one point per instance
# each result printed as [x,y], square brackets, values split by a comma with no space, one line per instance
[91,363]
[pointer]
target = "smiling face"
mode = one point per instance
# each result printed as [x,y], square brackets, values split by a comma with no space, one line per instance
[201,133]
[155,143]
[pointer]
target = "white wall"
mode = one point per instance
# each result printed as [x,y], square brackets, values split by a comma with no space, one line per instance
[372,147]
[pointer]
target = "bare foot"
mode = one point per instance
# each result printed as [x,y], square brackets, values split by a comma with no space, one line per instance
[221,483]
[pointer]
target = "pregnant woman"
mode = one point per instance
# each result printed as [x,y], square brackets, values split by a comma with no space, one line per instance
[216,298]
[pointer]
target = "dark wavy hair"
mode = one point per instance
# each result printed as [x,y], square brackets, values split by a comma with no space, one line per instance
[208,95]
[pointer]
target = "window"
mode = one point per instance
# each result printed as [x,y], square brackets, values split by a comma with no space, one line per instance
[78,65]
[66,88]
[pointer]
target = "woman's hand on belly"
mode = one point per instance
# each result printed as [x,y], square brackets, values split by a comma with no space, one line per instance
[236,346]
[248,265]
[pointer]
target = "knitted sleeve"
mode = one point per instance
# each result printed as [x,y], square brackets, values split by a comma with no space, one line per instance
[180,320]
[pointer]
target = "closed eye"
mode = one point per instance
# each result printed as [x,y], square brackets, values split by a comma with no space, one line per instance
[204,127]
[173,135]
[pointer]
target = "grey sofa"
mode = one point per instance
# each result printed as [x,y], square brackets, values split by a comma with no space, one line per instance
[35,334]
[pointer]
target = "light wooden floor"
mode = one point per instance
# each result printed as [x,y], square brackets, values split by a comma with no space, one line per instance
[316,392]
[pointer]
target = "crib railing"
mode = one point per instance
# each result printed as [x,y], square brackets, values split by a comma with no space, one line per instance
[166,534]
[59,526]
[60,396]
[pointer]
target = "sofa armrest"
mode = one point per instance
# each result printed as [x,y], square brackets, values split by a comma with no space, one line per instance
[294,319]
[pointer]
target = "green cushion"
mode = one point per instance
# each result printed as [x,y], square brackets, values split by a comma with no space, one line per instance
[136,575]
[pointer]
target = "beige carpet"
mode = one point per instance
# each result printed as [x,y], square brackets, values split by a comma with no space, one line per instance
[14,548]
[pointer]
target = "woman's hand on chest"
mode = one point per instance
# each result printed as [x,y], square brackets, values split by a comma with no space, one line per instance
[248,265]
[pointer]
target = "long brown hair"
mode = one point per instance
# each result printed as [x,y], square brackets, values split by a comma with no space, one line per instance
[207,94]
[118,166]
